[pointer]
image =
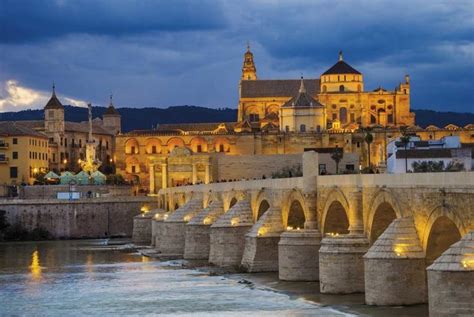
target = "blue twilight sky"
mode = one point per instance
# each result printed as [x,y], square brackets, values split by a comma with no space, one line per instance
[164,53]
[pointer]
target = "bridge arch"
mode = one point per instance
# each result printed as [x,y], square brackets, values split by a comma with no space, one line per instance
[442,229]
[335,215]
[261,205]
[383,210]
[294,211]
[230,199]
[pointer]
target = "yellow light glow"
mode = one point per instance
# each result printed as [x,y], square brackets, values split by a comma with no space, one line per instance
[289,228]
[65,161]
[165,217]
[261,232]
[398,250]
[469,263]
[35,170]
[144,209]
[297,228]
[187,218]
[157,216]
[207,221]
[35,268]
[234,221]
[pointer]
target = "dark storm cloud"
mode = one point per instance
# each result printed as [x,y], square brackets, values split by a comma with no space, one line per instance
[160,53]
[31,20]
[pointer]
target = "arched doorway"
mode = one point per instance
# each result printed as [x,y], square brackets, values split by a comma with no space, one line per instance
[264,205]
[296,218]
[442,235]
[336,219]
[343,115]
[383,217]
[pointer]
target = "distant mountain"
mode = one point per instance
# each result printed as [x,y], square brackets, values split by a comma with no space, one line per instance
[146,118]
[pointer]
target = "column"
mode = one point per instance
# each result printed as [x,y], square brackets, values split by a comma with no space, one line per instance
[164,175]
[194,179]
[207,178]
[152,179]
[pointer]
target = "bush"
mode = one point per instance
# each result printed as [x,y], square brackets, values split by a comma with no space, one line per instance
[455,167]
[115,179]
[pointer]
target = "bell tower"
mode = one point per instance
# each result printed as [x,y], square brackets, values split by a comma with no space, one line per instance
[249,71]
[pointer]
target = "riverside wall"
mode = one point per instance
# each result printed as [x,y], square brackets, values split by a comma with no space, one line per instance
[85,218]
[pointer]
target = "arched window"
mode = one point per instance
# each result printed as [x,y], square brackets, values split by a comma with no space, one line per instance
[221,147]
[303,128]
[343,114]
[373,119]
[359,88]
[324,88]
[341,88]
[254,117]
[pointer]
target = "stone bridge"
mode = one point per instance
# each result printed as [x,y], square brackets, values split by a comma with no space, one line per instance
[372,233]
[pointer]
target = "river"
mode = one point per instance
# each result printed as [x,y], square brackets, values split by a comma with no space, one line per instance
[87,277]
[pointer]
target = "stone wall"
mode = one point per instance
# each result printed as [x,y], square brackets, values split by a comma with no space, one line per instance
[231,167]
[92,218]
[50,191]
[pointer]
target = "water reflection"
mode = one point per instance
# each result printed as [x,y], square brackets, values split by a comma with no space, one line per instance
[35,267]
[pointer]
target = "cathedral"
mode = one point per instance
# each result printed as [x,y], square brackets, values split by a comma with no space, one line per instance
[282,117]
[335,100]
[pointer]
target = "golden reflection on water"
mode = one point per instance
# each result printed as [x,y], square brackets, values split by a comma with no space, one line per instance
[89,264]
[35,268]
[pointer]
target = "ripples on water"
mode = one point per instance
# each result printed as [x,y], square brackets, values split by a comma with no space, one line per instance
[71,278]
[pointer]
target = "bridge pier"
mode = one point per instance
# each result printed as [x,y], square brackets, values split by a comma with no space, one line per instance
[173,229]
[156,224]
[395,267]
[142,230]
[261,243]
[341,266]
[451,280]
[198,230]
[298,255]
[228,235]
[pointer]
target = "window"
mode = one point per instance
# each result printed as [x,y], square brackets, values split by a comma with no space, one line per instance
[199,148]
[107,145]
[15,155]
[318,128]
[322,169]
[65,142]
[54,157]
[15,141]
[358,144]
[51,114]
[153,149]
[324,88]
[13,172]
[350,167]
[221,147]
[353,117]
[133,169]
[373,120]
[343,114]
[341,88]
[334,116]
[287,128]
[390,118]
[302,128]
[132,149]
[61,142]
[80,142]
[254,117]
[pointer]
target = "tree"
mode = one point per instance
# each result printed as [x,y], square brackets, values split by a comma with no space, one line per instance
[369,138]
[405,140]
[337,156]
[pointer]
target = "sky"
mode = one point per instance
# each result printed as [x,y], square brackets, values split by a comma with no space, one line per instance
[151,53]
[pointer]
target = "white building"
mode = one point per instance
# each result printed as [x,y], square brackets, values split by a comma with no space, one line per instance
[447,150]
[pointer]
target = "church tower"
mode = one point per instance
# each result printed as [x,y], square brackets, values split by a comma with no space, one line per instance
[112,119]
[54,115]
[249,71]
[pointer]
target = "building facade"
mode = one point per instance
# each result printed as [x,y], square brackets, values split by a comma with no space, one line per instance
[23,154]
[278,116]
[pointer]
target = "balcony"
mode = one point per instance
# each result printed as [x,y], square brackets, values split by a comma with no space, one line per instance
[3,159]
[3,145]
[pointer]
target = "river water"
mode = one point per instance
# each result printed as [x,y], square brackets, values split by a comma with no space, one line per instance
[85,277]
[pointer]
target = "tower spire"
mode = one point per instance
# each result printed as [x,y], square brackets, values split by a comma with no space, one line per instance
[54,89]
[111,103]
[249,71]
[340,56]
[302,88]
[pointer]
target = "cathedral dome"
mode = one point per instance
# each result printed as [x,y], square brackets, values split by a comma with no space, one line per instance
[341,67]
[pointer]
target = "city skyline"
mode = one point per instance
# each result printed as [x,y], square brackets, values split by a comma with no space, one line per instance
[192,54]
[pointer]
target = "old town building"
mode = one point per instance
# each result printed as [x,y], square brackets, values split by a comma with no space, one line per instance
[281,117]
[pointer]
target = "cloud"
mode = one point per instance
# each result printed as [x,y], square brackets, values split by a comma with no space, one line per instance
[31,20]
[156,53]
[14,97]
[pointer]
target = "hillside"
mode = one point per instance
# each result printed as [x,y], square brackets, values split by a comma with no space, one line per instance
[145,118]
